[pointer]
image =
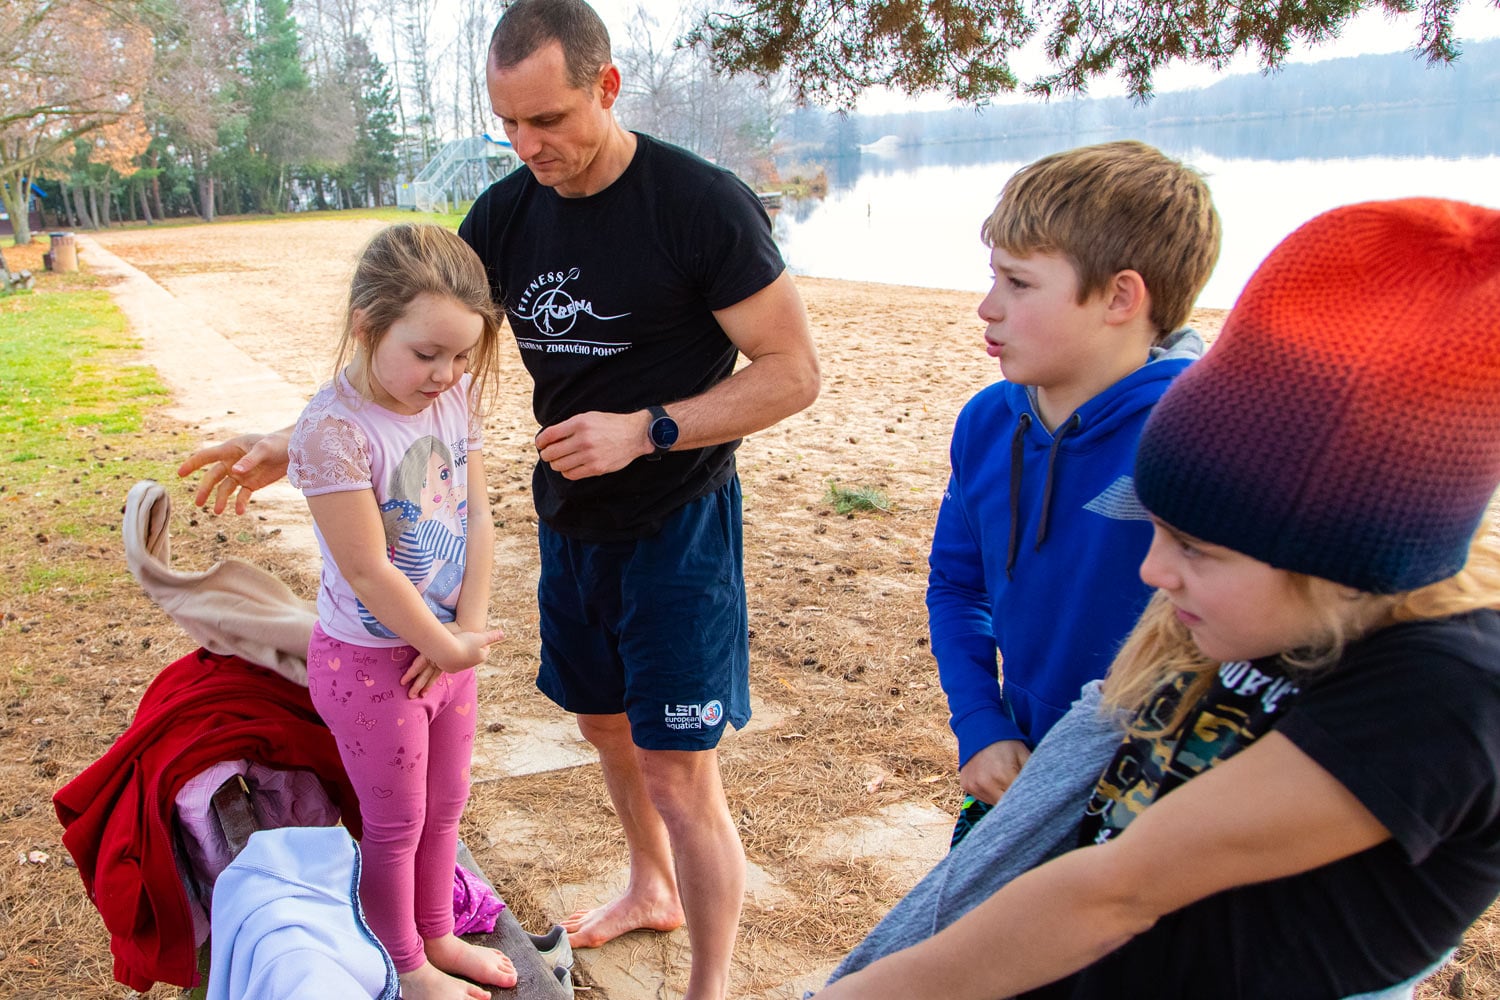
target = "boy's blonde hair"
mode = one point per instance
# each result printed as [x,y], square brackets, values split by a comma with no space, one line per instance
[1114,207]
[1160,649]
[402,262]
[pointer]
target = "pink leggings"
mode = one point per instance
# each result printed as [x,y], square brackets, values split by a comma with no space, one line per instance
[409,763]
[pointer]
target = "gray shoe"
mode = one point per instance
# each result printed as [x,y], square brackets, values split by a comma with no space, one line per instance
[555,950]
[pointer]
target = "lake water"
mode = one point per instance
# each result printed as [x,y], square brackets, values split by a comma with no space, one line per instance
[911,215]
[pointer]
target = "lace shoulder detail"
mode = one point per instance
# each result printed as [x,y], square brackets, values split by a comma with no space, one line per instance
[328,453]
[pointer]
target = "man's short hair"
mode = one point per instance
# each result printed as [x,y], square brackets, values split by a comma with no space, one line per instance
[528,25]
[1113,207]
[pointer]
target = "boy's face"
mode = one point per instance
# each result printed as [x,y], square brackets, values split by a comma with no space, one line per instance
[1038,330]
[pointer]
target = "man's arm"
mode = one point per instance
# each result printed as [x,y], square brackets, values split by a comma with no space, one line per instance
[238,468]
[770,329]
[1269,812]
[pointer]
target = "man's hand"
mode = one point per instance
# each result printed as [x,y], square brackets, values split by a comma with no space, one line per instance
[237,468]
[591,444]
[990,772]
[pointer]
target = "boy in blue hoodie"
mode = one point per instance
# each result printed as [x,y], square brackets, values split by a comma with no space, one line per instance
[1098,254]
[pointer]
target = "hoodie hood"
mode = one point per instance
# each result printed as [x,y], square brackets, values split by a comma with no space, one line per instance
[1091,423]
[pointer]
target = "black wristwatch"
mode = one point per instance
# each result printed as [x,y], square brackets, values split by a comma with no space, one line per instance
[663,431]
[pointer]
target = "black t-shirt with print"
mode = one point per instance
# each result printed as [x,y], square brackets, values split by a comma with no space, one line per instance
[1409,722]
[1240,707]
[611,300]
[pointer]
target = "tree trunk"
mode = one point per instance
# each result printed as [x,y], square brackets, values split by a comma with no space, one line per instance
[93,208]
[205,195]
[13,194]
[145,207]
[88,214]
[161,213]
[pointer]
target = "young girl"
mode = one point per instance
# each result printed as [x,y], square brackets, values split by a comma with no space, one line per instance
[1307,803]
[388,456]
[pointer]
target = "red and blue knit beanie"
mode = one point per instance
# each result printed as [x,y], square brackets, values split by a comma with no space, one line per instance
[1346,424]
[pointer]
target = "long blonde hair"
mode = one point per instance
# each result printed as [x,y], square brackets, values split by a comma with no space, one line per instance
[1160,649]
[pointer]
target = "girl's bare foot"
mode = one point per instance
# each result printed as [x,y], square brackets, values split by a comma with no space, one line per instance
[428,982]
[483,965]
[591,928]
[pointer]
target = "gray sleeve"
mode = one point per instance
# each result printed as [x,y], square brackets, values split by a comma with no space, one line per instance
[1036,820]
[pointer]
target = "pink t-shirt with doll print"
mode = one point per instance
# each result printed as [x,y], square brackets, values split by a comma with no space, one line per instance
[417,467]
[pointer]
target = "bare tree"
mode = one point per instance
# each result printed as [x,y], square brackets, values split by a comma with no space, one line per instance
[68,69]
[476,19]
[190,96]
[654,71]
[415,32]
[673,90]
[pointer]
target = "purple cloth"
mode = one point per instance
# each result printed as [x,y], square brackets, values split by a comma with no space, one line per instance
[475,905]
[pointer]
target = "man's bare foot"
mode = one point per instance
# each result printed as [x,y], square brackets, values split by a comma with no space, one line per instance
[591,928]
[428,982]
[483,965]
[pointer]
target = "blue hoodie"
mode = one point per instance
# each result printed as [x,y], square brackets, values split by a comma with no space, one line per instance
[1037,551]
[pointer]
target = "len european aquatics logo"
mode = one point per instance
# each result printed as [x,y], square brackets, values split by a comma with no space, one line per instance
[704,716]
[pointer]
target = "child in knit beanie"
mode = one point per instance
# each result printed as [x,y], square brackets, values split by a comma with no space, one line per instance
[1316,682]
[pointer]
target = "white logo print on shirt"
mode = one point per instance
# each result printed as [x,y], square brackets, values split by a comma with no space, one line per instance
[552,311]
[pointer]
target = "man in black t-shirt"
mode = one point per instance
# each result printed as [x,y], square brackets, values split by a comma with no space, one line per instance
[632,275]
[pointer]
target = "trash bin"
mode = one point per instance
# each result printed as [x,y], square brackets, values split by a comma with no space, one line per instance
[64,252]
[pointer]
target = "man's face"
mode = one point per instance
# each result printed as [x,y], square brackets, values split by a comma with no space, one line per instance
[555,128]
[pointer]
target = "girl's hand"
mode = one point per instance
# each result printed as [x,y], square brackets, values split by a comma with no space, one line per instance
[423,670]
[419,676]
[475,647]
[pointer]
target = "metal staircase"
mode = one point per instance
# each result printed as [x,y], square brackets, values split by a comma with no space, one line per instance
[459,172]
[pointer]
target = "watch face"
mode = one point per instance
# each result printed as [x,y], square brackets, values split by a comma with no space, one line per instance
[664,432]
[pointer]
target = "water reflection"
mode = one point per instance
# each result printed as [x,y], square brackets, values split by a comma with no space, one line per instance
[912,215]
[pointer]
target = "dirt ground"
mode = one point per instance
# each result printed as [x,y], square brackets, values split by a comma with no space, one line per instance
[839,650]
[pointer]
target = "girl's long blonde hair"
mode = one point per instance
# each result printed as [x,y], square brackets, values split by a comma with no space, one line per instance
[1160,648]
[400,263]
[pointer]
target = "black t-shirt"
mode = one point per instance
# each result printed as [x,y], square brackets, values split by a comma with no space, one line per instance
[1409,722]
[611,301]
[1242,704]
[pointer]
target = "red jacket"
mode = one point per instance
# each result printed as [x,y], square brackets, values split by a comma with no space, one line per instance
[117,814]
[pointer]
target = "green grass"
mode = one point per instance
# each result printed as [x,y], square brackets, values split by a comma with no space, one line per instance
[862,499]
[74,401]
[388,214]
[67,369]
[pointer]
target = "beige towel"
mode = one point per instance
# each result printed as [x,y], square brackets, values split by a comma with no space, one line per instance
[233,608]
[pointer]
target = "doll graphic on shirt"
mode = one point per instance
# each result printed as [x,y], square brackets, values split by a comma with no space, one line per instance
[426,522]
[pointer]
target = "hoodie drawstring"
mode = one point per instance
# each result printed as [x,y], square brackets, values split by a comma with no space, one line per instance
[1069,426]
[1017,458]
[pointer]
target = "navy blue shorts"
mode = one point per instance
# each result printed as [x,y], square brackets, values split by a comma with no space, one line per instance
[655,628]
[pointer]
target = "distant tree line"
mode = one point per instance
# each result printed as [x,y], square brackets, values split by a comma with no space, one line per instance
[145,109]
[1303,105]
[148,109]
